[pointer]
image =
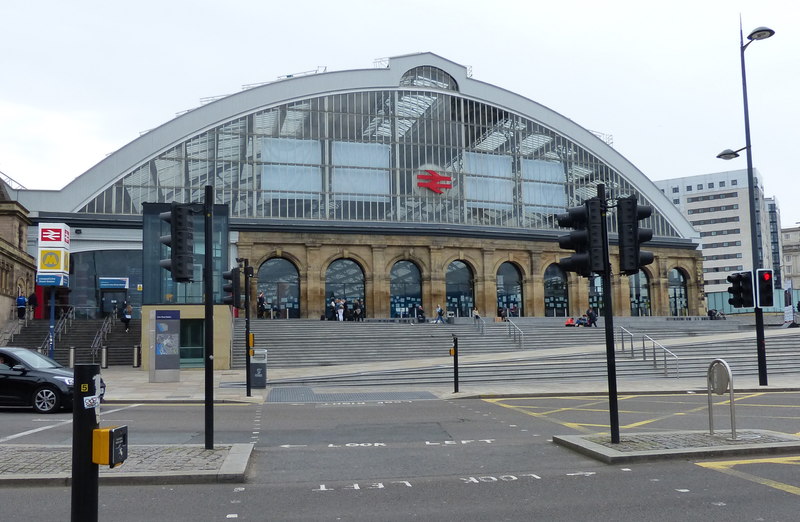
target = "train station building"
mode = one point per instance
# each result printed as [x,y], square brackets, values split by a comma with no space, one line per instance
[409,184]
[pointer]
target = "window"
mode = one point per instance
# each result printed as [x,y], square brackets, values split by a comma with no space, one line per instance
[676,201]
[734,182]
[710,185]
[721,184]
[675,190]
[688,188]
[700,186]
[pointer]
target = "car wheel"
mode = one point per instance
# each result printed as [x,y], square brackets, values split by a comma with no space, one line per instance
[46,399]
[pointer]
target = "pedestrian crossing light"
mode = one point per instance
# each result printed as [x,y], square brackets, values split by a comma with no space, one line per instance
[631,235]
[765,286]
[741,290]
[180,241]
[232,287]
[586,238]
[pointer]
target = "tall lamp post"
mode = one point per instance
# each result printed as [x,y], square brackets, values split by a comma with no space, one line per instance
[759,33]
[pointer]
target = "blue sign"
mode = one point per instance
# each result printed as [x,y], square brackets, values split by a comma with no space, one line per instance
[52,279]
[113,282]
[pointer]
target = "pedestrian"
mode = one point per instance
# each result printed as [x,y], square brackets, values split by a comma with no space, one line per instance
[591,317]
[262,305]
[439,315]
[476,316]
[127,315]
[21,304]
[340,309]
[33,302]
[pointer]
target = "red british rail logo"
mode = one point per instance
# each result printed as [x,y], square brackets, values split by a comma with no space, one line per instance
[432,180]
[51,234]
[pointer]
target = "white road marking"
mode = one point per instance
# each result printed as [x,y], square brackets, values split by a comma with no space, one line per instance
[58,424]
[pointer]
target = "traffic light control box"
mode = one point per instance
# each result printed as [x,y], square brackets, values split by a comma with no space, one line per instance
[110,446]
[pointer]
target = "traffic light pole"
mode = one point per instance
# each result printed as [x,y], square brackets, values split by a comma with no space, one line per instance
[248,273]
[208,291]
[761,347]
[608,314]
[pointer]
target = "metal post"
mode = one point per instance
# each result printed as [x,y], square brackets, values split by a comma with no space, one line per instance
[208,291]
[751,193]
[613,408]
[85,473]
[248,273]
[51,348]
[455,363]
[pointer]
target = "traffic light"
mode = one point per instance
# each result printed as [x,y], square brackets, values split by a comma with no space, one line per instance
[631,236]
[764,287]
[586,239]
[180,242]
[233,288]
[741,290]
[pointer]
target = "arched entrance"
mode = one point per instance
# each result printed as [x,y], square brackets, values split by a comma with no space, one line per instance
[405,289]
[509,291]
[344,280]
[460,292]
[279,279]
[556,298]
[640,294]
[678,294]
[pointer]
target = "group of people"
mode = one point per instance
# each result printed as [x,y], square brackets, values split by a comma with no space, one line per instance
[587,319]
[263,308]
[24,302]
[342,310]
[716,314]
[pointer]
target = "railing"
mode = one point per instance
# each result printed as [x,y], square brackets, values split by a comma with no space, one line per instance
[515,332]
[102,334]
[62,325]
[623,332]
[11,329]
[655,344]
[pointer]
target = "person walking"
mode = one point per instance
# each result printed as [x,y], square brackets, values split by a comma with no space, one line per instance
[126,315]
[33,302]
[439,315]
[22,303]
[262,305]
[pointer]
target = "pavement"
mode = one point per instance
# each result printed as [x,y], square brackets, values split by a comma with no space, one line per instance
[27,465]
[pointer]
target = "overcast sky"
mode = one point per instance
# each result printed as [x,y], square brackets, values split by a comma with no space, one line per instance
[81,79]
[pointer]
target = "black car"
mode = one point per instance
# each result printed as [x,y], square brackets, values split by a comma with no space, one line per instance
[28,378]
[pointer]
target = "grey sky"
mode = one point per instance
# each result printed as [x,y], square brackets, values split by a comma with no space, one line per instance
[81,79]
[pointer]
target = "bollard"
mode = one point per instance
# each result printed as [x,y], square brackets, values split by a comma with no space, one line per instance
[72,357]
[104,357]
[137,356]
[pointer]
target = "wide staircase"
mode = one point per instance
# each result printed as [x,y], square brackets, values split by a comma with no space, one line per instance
[80,333]
[653,347]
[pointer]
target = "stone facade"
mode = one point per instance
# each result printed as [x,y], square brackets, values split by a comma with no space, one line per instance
[17,267]
[376,254]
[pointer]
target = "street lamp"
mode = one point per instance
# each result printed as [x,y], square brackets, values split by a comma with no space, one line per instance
[759,33]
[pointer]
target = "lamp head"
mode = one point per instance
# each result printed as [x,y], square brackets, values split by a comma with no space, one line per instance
[728,154]
[760,33]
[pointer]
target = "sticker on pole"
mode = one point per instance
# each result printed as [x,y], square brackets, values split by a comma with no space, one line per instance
[91,402]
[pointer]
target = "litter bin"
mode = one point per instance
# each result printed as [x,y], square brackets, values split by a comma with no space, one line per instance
[258,368]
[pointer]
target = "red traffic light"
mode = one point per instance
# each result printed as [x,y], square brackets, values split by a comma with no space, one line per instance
[766,276]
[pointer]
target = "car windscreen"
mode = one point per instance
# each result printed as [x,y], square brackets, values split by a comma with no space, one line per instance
[36,360]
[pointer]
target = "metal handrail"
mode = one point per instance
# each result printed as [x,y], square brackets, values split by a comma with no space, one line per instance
[101,335]
[61,326]
[515,331]
[622,332]
[665,352]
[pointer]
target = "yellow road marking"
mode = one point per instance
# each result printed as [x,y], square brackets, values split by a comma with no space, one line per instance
[727,468]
